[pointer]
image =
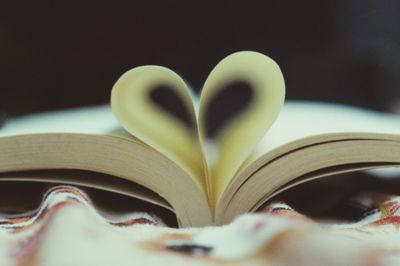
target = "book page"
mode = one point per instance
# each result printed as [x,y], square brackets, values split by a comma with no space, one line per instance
[114,156]
[245,192]
[292,142]
[240,100]
[155,105]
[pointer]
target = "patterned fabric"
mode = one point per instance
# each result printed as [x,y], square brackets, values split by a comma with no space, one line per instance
[68,230]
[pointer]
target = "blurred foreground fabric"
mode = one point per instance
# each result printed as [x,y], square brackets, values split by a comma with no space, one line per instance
[67,230]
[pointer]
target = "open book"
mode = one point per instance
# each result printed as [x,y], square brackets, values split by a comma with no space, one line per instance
[208,159]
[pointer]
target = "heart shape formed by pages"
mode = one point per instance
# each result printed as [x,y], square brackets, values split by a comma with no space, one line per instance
[209,137]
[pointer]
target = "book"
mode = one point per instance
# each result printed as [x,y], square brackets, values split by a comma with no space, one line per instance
[207,159]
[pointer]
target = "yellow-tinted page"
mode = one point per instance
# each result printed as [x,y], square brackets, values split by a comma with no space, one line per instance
[228,134]
[154,104]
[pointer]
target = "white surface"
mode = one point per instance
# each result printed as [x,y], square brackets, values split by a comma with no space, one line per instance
[299,119]
[94,120]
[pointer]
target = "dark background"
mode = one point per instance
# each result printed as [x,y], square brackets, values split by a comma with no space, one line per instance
[57,54]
